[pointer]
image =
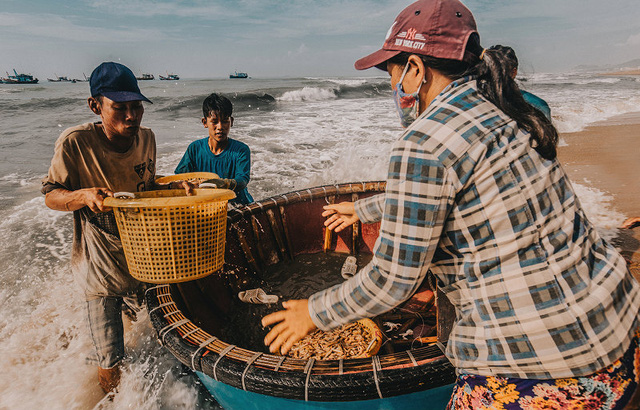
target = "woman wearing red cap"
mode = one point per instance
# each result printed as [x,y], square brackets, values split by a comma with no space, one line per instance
[547,312]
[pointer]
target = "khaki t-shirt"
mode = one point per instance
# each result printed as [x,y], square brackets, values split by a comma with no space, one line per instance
[82,159]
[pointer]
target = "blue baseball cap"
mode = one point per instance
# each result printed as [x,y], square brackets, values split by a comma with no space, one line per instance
[116,82]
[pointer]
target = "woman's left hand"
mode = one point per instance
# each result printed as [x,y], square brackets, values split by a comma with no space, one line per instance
[293,324]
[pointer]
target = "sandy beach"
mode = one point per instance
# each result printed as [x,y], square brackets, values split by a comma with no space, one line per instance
[606,156]
[628,72]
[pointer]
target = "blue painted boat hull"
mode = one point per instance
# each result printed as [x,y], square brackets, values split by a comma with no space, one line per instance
[232,398]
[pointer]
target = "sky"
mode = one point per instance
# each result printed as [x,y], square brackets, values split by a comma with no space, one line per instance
[294,38]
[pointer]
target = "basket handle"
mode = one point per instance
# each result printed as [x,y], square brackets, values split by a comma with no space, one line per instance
[208,185]
[122,195]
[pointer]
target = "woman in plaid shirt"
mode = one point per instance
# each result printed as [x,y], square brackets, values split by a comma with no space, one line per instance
[547,311]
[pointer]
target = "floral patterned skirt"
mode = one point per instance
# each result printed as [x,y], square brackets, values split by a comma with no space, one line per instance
[610,388]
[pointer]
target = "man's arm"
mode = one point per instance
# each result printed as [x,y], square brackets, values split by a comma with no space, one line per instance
[61,199]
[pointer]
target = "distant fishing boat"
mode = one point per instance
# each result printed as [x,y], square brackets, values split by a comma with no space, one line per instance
[169,77]
[77,80]
[60,79]
[146,76]
[19,78]
[238,75]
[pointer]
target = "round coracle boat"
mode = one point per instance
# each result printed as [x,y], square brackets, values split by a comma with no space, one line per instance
[280,246]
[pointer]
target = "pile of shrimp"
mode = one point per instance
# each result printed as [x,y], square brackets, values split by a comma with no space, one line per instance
[348,341]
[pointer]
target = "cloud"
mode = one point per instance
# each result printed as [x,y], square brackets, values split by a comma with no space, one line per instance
[59,28]
[276,18]
[150,8]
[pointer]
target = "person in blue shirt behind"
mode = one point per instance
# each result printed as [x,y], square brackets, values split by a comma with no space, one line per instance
[510,58]
[229,158]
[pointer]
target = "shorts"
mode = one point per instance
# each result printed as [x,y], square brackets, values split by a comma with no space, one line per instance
[609,388]
[107,331]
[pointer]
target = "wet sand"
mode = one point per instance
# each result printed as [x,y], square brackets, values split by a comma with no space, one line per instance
[606,156]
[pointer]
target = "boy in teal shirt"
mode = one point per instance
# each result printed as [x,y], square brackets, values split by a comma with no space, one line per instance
[229,158]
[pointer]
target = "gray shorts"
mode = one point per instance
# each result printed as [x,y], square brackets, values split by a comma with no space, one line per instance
[107,332]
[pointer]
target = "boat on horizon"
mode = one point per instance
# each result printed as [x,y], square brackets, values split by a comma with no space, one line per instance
[145,76]
[78,80]
[238,75]
[19,78]
[61,79]
[169,77]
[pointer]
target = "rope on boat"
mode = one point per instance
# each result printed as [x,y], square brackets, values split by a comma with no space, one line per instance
[377,367]
[413,359]
[175,312]
[190,332]
[307,370]
[340,364]
[222,354]
[165,330]
[155,287]
[282,359]
[160,306]
[202,345]
[249,363]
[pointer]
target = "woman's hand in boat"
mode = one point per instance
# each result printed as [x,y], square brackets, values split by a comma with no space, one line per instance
[292,324]
[340,216]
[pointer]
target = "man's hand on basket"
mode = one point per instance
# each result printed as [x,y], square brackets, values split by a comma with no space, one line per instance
[188,186]
[292,324]
[340,216]
[94,198]
[221,183]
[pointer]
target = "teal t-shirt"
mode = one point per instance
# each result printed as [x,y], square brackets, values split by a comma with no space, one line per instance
[232,163]
[537,102]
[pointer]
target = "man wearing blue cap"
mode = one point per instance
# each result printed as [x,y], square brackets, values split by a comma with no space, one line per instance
[91,162]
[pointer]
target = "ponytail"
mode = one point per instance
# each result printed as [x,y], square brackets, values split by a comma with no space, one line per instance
[495,82]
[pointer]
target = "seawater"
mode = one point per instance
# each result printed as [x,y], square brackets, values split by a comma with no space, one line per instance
[303,132]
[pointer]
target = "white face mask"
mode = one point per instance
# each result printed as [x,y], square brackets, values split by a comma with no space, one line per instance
[406,104]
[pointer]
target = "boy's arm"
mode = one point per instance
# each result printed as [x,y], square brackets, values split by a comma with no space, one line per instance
[186,163]
[243,169]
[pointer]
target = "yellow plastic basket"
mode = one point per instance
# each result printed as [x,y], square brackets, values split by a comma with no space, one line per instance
[169,237]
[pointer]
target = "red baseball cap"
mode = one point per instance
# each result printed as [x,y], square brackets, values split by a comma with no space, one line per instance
[436,28]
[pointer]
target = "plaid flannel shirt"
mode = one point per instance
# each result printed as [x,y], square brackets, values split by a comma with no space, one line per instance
[538,294]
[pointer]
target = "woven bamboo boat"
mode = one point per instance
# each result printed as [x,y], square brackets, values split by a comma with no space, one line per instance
[189,318]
